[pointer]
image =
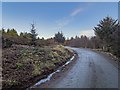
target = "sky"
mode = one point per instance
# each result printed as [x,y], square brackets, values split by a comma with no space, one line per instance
[60,0]
[72,18]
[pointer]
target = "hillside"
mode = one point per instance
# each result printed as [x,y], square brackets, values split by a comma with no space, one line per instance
[22,64]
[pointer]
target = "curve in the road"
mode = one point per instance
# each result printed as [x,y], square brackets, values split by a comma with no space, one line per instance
[92,70]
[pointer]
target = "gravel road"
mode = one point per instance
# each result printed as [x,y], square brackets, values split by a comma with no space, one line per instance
[91,70]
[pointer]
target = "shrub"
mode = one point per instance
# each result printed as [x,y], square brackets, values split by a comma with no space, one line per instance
[6,43]
[19,65]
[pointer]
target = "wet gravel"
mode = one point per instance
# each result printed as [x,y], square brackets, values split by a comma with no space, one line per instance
[91,70]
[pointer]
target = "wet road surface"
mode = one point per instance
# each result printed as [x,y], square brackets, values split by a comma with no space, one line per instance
[91,70]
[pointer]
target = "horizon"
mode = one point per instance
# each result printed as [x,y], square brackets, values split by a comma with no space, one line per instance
[72,18]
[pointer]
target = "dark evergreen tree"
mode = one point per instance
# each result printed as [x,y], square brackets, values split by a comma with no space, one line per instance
[3,31]
[59,37]
[21,34]
[33,35]
[12,32]
[104,30]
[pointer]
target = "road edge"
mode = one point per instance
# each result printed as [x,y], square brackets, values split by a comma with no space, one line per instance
[112,58]
[64,68]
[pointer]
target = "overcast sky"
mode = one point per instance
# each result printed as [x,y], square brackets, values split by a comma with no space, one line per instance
[72,19]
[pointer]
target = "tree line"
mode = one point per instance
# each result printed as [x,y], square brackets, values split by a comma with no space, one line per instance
[11,37]
[84,42]
[107,37]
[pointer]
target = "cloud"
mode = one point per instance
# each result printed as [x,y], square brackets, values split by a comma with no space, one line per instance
[64,22]
[76,12]
[88,33]
[67,20]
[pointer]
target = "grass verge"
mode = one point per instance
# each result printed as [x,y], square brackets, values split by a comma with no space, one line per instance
[23,66]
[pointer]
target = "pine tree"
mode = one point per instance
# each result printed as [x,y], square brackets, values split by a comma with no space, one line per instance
[33,35]
[59,37]
[104,30]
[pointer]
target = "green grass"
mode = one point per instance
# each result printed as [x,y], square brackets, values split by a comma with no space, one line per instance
[11,82]
[19,65]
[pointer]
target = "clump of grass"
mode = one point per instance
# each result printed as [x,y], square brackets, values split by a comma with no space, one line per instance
[19,65]
[55,54]
[36,71]
[49,64]
[59,48]
[11,82]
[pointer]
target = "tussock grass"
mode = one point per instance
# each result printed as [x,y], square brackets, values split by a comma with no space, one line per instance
[24,64]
